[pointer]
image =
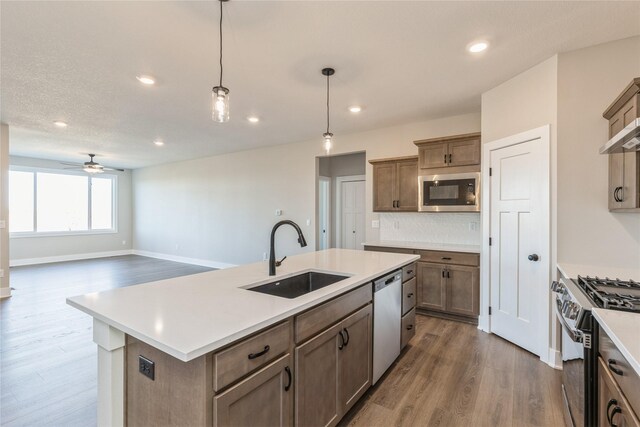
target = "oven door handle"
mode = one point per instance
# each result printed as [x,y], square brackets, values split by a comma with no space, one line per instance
[574,334]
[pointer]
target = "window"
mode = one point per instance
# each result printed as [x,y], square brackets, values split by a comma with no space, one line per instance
[53,202]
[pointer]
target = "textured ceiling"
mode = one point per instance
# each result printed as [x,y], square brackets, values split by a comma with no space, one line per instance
[77,62]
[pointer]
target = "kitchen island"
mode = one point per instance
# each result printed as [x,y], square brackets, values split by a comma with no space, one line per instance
[190,319]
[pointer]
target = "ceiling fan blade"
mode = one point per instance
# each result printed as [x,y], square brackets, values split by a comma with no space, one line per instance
[113,169]
[70,164]
[76,167]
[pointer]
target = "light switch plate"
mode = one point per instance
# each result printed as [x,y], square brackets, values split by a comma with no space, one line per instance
[3,223]
[1,272]
[375,223]
[278,212]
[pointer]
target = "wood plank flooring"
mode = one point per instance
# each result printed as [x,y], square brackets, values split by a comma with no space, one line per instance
[452,374]
[48,361]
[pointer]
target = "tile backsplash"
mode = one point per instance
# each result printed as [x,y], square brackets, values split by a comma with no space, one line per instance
[453,228]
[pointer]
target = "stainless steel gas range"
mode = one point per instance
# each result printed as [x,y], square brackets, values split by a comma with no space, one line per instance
[574,300]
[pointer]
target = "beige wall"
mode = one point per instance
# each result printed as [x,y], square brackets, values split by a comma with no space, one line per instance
[588,81]
[222,208]
[25,249]
[5,290]
[527,101]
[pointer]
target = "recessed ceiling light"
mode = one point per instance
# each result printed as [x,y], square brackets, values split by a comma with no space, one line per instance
[355,108]
[478,47]
[253,119]
[158,143]
[146,80]
[60,124]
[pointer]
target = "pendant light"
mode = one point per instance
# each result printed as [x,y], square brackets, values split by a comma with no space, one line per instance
[220,94]
[328,135]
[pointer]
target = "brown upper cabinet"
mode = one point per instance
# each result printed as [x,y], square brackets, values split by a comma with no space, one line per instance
[624,168]
[395,184]
[457,151]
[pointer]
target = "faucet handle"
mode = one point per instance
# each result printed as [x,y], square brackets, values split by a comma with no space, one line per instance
[279,263]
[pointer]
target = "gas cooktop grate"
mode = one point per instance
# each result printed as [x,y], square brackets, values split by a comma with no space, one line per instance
[612,293]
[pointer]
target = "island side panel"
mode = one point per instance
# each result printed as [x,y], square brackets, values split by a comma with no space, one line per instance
[180,394]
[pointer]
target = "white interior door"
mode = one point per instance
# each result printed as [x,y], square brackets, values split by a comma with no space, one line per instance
[324,212]
[519,251]
[352,215]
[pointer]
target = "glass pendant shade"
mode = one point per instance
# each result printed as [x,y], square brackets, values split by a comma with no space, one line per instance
[220,99]
[93,169]
[327,141]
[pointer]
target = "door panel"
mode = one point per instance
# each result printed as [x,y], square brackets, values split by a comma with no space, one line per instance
[353,215]
[261,399]
[431,287]
[407,186]
[516,226]
[464,153]
[433,155]
[317,381]
[384,179]
[355,358]
[324,212]
[463,290]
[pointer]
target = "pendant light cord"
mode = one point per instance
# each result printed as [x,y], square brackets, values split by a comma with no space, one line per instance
[220,42]
[327,104]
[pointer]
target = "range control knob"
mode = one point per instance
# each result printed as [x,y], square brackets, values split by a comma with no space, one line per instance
[557,287]
[575,309]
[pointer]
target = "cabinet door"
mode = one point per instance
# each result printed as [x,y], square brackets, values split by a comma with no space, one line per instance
[463,153]
[431,286]
[407,186]
[433,155]
[463,290]
[384,182]
[265,398]
[317,383]
[613,407]
[616,179]
[354,365]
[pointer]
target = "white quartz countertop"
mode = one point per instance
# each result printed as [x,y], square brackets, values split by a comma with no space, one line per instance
[571,271]
[622,327]
[426,246]
[189,316]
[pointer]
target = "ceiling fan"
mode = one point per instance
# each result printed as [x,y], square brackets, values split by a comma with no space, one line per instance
[90,166]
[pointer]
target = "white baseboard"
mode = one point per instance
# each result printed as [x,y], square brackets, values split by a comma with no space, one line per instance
[186,260]
[71,257]
[555,359]
[5,292]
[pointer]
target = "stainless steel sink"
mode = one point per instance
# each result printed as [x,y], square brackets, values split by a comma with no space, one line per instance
[295,286]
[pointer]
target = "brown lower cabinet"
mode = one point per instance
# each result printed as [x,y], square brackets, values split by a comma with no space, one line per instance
[333,370]
[613,407]
[451,289]
[264,399]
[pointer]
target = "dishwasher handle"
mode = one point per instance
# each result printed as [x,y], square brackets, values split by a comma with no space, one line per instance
[387,280]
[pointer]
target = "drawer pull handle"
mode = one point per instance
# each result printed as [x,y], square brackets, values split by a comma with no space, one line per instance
[410,295]
[346,332]
[342,344]
[288,371]
[261,353]
[410,327]
[409,272]
[617,371]
[446,258]
[611,402]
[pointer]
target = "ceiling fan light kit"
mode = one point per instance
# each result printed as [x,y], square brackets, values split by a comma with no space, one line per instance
[328,136]
[91,166]
[220,94]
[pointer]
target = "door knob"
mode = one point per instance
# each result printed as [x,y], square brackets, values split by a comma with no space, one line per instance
[533,257]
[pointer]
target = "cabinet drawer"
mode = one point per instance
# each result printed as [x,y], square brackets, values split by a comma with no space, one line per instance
[408,295]
[409,272]
[629,381]
[441,257]
[315,320]
[408,328]
[250,354]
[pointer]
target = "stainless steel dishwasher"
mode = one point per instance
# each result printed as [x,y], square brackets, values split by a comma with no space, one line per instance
[387,307]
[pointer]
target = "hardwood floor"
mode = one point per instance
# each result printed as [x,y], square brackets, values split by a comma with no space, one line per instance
[452,374]
[48,361]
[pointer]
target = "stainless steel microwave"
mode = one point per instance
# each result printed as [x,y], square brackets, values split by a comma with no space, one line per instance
[458,192]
